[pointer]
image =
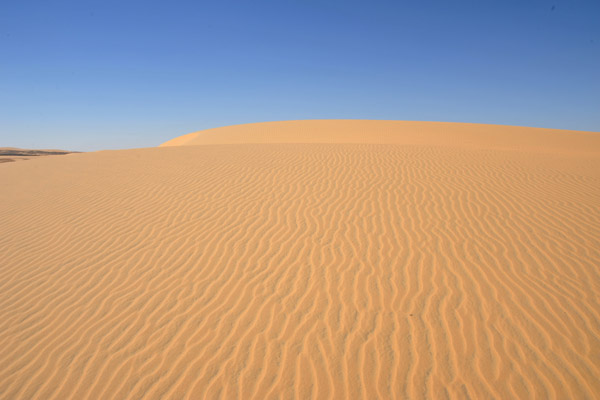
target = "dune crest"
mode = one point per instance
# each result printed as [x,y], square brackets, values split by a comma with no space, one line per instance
[258,262]
[396,132]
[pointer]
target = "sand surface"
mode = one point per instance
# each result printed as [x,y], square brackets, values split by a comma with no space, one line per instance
[375,260]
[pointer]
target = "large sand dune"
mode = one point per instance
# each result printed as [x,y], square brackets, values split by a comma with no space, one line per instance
[307,259]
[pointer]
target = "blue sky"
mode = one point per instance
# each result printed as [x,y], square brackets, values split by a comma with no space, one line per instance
[90,75]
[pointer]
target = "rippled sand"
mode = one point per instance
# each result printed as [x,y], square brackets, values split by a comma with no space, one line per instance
[306,259]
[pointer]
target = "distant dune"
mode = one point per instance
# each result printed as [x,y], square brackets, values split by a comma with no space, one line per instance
[306,259]
[476,136]
[10,154]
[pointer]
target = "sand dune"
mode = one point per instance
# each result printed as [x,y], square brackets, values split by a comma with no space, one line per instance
[306,260]
[474,136]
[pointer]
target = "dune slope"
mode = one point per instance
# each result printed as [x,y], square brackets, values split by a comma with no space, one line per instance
[315,270]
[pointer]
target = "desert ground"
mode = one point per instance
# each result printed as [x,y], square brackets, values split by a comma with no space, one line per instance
[325,259]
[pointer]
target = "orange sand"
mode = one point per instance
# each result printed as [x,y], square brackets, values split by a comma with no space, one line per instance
[376,260]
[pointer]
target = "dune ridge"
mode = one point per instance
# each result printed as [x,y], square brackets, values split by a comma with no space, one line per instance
[474,136]
[304,270]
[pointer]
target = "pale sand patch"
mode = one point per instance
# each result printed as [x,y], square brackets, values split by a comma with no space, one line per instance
[431,268]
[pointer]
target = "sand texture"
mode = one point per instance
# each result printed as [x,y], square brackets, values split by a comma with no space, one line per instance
[307,259]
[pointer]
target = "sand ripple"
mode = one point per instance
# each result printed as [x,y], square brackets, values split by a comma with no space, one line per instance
[326,271]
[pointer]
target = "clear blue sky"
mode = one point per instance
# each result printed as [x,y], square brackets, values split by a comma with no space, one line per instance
[88,75]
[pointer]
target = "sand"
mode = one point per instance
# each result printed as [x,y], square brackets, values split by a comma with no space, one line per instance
[307,259]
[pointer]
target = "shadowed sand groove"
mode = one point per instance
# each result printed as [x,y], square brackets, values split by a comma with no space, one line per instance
[316,270]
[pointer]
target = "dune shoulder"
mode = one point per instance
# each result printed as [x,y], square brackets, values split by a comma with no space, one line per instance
[448,134]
